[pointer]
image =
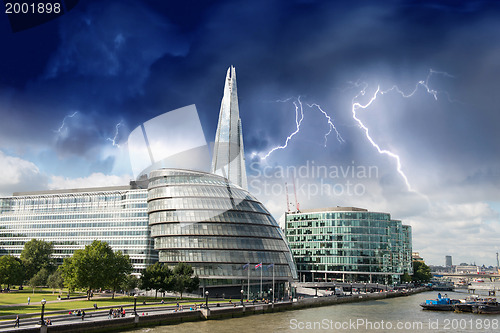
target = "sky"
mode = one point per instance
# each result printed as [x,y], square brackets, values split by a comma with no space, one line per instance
[390,106]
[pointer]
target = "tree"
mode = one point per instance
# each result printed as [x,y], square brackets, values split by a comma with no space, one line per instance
[421,272]
[183,280]
[157,277]
[11,270]
[406,277]
[37,254]
[91,268]
[119,270]
[39,279]
[55,280]
[130,283]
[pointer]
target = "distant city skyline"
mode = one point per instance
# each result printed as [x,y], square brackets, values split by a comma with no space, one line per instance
[404,88]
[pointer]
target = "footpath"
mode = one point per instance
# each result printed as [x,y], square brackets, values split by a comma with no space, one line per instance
[157,315]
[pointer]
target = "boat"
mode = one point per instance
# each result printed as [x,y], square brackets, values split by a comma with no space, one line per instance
[488,308]
[467,305]
[443,285]
[489,305]
[440,304]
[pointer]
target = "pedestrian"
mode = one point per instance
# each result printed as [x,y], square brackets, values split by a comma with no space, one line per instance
[17,322]
[83,314]
[29,299]
[110,313]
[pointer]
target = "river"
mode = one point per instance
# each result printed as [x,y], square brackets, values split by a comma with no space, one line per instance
[402,314]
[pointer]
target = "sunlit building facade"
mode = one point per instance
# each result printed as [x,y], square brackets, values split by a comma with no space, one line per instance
[71,219]
[218,228]
[348,244]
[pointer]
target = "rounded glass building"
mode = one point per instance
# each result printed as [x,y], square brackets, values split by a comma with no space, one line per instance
[218,228]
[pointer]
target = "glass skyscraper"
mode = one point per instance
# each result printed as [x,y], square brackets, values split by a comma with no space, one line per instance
[71,219]
[348,244]
[218,228]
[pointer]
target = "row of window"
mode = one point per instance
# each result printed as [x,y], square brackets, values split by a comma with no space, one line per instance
[205,179]
[339,230]
[208,256]
[239,270]
[204,203]
[198,191]
[213,229]
[339,215]
[7,217]
[210,216]
[339,223]
[220,243]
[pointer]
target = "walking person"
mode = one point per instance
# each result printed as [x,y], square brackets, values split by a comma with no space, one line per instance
[17,322]
[83,314]
[29,299]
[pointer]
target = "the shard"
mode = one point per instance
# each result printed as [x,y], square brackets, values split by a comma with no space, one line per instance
[228,159]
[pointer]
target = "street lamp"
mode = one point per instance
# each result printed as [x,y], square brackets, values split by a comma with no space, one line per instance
[43,309]
[316,286]
[351,288]
[135,304]
[241,291]
[206,299]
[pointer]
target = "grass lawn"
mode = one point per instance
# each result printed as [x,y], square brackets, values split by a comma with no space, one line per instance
[19,297]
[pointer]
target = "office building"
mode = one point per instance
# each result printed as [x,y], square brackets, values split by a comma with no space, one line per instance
[71,219]
[349,244]
[448,261]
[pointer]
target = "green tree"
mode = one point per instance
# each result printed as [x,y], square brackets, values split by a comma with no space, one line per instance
[90,268]
[421,272]
[157,277]
[55,281]
[68,274]
[37,254]
[406,277]
[119,270]
[11,270]
[39,279]
[183,279]
[130,283]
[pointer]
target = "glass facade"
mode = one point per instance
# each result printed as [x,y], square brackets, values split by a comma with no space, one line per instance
[216,227]
[348,243]
[74,218]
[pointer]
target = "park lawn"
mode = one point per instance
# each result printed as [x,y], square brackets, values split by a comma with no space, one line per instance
[20,297]
[84,304]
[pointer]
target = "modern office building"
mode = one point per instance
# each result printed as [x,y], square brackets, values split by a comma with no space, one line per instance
[229,157]
[74,218]
[448,261]
[208,220]
[348,244]
[218,228]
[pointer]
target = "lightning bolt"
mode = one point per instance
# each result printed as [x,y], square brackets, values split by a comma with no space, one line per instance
[330,123]
[357,105]
[113,140]
[298,110]
[60,129]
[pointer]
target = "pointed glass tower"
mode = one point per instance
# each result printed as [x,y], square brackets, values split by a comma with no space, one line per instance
[228,159]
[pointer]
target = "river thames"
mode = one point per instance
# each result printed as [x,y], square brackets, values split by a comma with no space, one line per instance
[401,314]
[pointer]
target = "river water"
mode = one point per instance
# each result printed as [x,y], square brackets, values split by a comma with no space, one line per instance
[402,314]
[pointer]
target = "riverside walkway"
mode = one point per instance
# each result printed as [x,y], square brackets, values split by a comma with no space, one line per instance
[166,314]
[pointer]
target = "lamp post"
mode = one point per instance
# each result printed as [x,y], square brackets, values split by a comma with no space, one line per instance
[43,309]
[135,304]
[241,291]
[351,288]
[316,287]
[206,299]
[365,287]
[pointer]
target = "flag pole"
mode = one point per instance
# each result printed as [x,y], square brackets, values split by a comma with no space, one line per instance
[261,269]
[248,283]
[273,287]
